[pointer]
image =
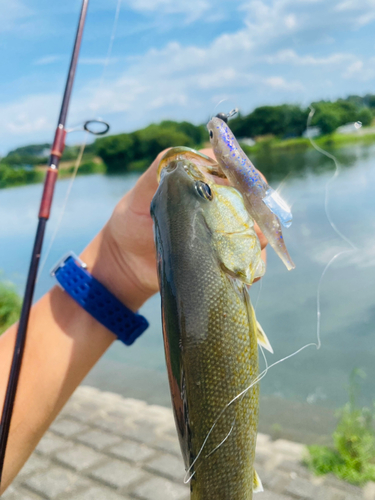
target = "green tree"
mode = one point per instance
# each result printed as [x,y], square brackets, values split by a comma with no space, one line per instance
[284,121]
[134,151]
[117,151]
[365,116]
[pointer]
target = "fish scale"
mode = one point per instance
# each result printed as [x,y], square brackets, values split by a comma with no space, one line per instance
[209,329]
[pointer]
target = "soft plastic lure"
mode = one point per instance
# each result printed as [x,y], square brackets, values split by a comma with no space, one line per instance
[262,202]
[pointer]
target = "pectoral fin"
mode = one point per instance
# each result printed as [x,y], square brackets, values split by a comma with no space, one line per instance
[257,483]
[262,338]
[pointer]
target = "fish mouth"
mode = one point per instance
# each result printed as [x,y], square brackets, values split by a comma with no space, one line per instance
[182,168]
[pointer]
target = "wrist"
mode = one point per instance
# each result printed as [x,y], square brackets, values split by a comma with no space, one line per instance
[115,270]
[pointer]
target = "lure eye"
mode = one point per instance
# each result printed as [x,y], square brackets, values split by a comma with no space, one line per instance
[211,134]
[204,190]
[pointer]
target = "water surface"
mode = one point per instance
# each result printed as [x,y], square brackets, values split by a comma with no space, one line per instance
[300,393]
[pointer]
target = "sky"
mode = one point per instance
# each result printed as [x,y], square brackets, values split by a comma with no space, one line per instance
[176,60]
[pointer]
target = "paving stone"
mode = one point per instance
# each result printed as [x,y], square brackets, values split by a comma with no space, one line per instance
[270,495]
[83,413]
[134,452]
[118,474]
[302,489]
[332,481]
[34,464]
[98,439]
[161,489]
[142,434]
[17,493]
[261,458]
[54,482]
[285,447]
[79,457]
[329,494]
[276,481]
[294,469]
[97,493]
[168,445]
[369,491]
[170,432]
[143,440]
[67,428]
[111,424]
[168,466]
[51,443]
[263,439]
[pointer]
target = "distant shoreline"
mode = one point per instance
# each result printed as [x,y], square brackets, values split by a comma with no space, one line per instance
[364,136]
[264,145]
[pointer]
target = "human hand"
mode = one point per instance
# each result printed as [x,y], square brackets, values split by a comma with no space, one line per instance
[123,255]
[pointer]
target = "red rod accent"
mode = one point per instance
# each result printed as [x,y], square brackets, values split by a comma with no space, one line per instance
[59,142]
[49,187]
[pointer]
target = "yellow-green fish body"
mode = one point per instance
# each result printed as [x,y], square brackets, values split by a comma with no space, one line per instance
[207,253]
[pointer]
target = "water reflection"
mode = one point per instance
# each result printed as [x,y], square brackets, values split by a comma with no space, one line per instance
[276,165]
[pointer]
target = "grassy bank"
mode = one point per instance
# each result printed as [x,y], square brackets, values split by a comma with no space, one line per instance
[352,456]
[366,136]
[11,177]
[10,306]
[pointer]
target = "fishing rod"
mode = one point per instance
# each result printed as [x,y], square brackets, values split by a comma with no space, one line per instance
[44,213]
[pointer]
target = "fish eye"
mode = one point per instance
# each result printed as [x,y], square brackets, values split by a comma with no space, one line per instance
[211,134]
[204,190]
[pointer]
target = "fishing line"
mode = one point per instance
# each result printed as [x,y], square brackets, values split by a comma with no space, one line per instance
[109,52]
[84,143]
[318,332]
[62,211]
[332,224]
[240,395]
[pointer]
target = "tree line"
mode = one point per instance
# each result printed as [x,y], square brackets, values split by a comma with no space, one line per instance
[134,151]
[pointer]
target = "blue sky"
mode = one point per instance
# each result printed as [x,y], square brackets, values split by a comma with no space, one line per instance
[177,59]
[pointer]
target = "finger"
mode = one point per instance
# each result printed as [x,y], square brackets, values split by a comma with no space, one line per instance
[145,188]
[262,239]
[208,152]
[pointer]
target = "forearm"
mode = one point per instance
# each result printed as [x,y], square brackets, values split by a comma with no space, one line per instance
[63,344]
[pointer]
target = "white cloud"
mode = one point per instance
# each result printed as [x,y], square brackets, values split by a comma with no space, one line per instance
[13,12]
[278,82]
[193,9]
[270,58]
[290,56]
[354,69]
[48,60]
[290,21]
[30,116]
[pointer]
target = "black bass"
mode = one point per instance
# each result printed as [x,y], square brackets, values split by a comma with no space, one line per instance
[261,201]
[207,254]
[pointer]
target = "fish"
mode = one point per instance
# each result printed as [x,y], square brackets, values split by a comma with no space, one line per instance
[207,255]
[263,203]
[206,163]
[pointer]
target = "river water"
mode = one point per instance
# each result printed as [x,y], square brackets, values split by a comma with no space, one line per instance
[299,394]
